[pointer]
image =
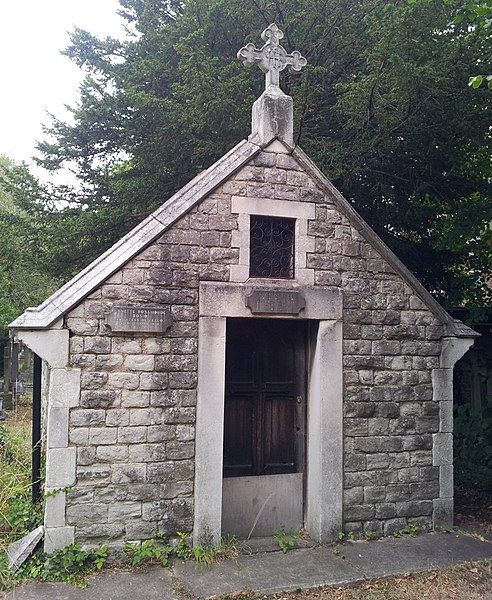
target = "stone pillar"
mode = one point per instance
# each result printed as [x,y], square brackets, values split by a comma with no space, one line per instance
[452,350]
[209,430]
[324,489]
[52,345]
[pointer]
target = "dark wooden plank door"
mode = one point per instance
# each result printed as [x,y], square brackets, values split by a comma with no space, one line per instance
[265,397]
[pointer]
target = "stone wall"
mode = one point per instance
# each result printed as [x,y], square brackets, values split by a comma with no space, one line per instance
[134,428]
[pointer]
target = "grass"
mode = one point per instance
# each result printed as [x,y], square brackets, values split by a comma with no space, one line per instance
[18,516]
[472,581]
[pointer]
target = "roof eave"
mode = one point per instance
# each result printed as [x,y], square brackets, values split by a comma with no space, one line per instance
[85,282]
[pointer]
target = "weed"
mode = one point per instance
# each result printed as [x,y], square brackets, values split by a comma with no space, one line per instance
[411,529]
[285,539]
[70,565]
[18,515]
[351,536]
[183,549]
[371,535]
[227,548]
[203,554]
[337,549]
[147,552]
[207,555]
[440,529]
[179,588]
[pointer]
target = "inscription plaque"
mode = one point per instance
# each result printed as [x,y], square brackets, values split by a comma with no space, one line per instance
[138,319]
[275,302]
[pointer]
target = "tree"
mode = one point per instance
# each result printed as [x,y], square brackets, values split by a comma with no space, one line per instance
[383,108]
[22,280]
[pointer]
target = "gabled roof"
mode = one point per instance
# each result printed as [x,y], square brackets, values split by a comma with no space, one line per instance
[69,295]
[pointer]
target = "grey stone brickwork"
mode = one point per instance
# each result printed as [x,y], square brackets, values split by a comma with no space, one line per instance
[134,427]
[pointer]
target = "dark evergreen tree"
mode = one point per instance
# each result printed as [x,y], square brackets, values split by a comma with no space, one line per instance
[384,108]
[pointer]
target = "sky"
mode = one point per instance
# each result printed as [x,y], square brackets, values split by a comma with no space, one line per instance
[34,77]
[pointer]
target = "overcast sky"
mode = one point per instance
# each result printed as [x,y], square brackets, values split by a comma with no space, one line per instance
[35,77]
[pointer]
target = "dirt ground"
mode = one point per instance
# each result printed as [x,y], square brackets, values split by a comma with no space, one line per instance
[473,511]
[471,581]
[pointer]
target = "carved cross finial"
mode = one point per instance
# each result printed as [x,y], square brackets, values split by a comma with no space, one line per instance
[272,57]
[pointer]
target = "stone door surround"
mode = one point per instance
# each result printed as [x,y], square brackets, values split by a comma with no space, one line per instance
[324,452]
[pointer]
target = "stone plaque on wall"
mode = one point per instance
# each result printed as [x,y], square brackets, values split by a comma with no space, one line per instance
[138,319]
[280,302]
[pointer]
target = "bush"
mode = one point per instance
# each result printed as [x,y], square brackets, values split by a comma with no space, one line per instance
[473,445]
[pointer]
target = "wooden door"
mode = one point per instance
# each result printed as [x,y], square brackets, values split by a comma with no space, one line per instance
[264,425]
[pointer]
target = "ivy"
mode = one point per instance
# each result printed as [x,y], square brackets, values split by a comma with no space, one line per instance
[71,565]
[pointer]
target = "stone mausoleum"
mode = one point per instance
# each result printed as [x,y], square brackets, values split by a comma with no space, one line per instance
[250,356]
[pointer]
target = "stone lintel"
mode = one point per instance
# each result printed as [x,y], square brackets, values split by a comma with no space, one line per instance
[273,207]
[228,300]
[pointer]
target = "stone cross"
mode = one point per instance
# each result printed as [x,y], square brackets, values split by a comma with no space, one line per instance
[272,57]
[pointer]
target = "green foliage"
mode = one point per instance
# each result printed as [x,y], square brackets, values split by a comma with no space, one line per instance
[147,552]
[337,548]
[286,538]
[207,555]
[18,513]
[383,108]
[56,491]
[70,564]
[203,554]
[23,278]
[476,81]
[183,549]
[473,445]
[371,535]
[411,529]
[24,516]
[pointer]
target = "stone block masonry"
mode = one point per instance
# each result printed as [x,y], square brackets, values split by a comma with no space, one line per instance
[133,430]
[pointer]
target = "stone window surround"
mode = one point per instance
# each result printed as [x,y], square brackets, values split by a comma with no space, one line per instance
[324,456]
[300,211]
